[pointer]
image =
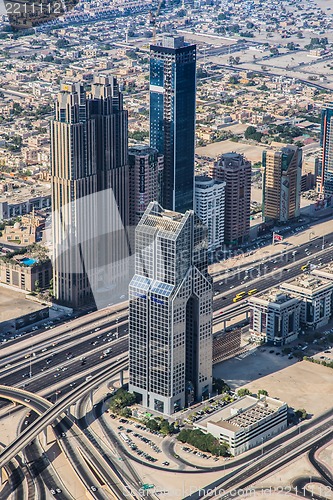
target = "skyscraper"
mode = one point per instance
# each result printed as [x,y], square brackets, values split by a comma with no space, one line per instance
[325,177]
[145,179]
[282,173]
[89,172]
[235,171]
[113,227]
[210,207]
[170,311]
[111,139]
[74,176]
[172,118]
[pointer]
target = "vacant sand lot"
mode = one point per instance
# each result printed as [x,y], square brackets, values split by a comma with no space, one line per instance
[251,152]
[299,384]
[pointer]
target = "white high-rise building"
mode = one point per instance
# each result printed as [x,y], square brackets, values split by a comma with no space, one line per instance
[210,208]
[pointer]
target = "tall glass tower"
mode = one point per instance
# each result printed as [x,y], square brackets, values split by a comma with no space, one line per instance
[172,118]
[325,182]
[170,311]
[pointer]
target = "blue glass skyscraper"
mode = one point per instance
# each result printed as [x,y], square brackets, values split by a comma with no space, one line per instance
[172,118]
[325,173]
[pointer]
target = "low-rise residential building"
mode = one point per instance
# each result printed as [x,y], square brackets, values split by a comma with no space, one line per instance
[316,294]
[26,272]
[246,423]
[26,232]
[9,209]
[275,317]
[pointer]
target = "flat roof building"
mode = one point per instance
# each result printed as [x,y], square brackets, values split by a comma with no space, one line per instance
[324,271]
[275,317]
[209,207]
[316,295]
[247,422]
[282,172]
[235,171]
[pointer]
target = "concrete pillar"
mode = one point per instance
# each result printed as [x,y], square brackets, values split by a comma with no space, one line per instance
[121,378]
[44,440]
[3,476]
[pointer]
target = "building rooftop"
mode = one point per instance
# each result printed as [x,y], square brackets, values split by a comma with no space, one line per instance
[307,283]
[324,271]
[274,295]
[243,413]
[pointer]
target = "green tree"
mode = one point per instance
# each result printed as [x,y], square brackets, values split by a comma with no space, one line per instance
[249,131]
[61,43]
[121,399]
[125,412]
[301,414]
[234,79]
[37,286]
[243,392]
[220,386]
[202,441]
[262,392]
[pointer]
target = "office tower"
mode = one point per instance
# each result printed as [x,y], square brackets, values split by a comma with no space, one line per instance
[111,139]
[209,207]
[281,192]
[89,174]
[74,176]
[111,148]
[325,177]
[235,171]
[145,179]
[170,311]
[172,118]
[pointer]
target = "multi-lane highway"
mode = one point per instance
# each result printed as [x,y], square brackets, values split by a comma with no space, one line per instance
[56,361]
[270,271]
[50,413]
[52,362]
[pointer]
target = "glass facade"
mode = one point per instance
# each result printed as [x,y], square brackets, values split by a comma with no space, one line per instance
[326,142]
[170,311]
[172,120]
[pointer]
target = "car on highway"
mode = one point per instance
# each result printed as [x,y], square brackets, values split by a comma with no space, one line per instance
[93,488]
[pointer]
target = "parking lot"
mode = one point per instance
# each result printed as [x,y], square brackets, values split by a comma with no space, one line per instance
[143,443]
[196,457]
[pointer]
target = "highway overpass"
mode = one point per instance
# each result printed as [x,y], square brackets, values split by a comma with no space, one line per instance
[55,411]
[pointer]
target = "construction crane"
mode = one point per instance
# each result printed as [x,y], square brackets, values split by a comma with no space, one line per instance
[153,16]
